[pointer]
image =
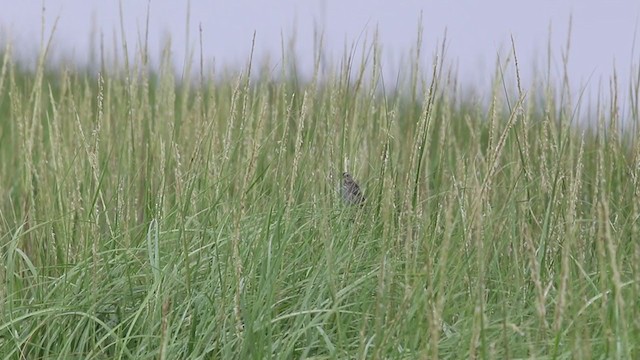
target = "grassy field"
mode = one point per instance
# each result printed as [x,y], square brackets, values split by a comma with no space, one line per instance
[144,216]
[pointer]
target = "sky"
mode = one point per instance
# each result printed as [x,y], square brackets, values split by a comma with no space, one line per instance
[603,33]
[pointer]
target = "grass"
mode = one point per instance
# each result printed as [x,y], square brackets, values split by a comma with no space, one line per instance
[145,217]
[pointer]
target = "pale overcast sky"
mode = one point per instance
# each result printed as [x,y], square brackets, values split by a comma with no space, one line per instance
[603,32]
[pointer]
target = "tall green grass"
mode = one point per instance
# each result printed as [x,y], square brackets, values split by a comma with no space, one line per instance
[142,216]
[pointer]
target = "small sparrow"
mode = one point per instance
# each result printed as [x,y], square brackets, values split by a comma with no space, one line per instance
[351,192]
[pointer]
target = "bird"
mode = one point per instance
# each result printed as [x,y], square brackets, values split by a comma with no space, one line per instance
[351,192]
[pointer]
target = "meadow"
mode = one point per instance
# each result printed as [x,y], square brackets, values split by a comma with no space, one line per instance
[148,215]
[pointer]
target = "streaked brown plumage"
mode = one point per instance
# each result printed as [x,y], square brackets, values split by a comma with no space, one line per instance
[350,190]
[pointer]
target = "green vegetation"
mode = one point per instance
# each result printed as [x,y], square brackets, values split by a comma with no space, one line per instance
[143,217]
